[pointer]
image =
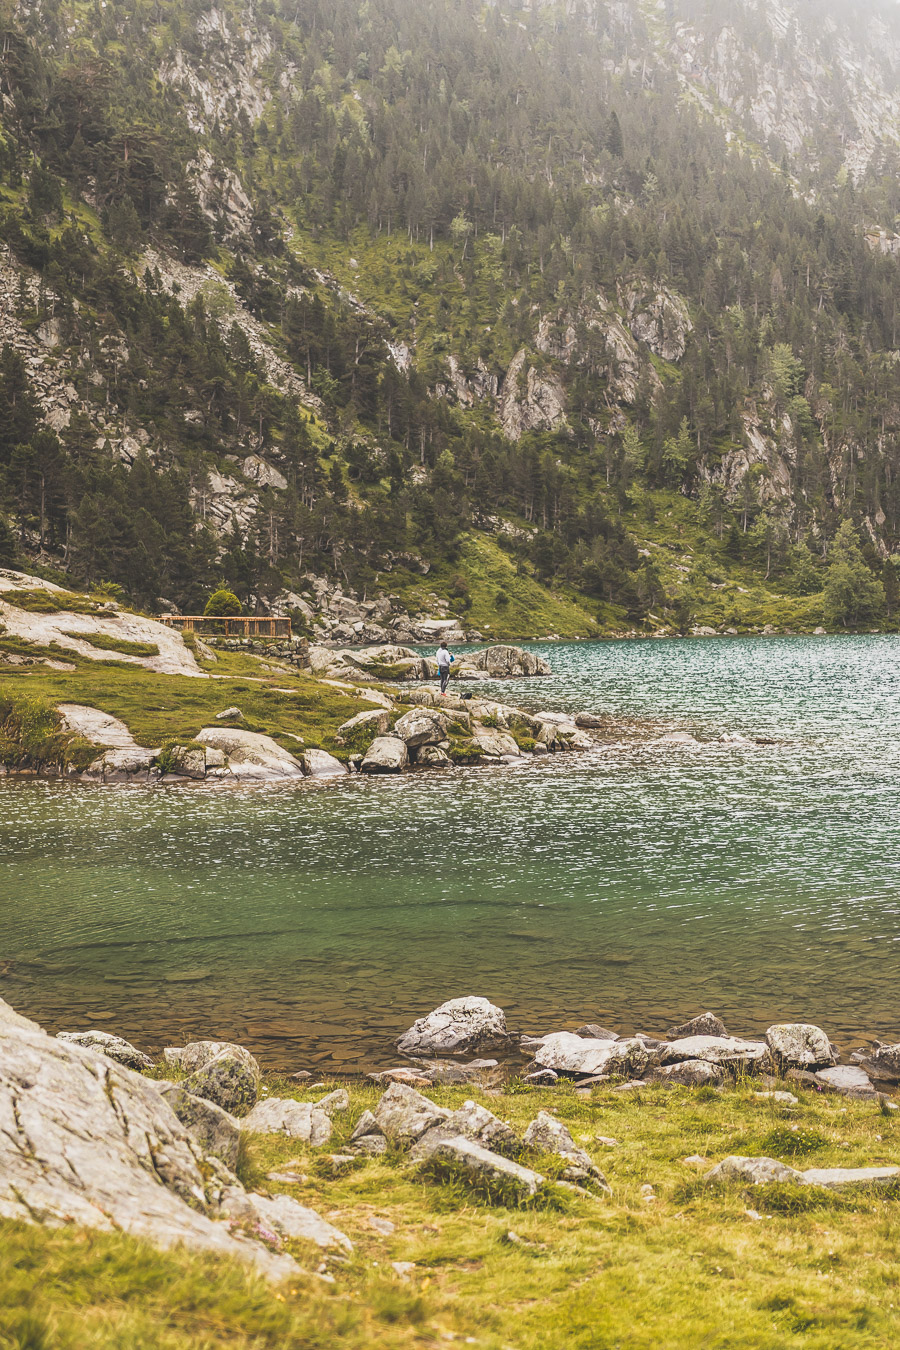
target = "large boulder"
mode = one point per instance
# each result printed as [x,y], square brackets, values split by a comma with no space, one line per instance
[281,1215]
[404,1115]
[197,1054]
[799,1045]
[689,1073]
[493,742]
[218,1131]
[503,661]
[481,1165]
[756,1171]
[228,1081]
[386,754]
[422,726]
[251,755]
[565,1052]
[83,1140]
[546,1134]
[123,1052]
[377,721]
[458,1026]
[299,1120]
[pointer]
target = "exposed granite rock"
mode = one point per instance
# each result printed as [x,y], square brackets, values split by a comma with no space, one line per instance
[284,1216]
[123,1052]
[503,661]
[459,1025]
[757,1171]
[483,1165]
[840,1178]
[530,399]
[197,1054]
[404,1114]
[688,1073]
[386,754]
[725,1050]
[422,727]
[84,1140]
[251,755]
[470,1121]
[319,764]
[881,1063]
[378,720]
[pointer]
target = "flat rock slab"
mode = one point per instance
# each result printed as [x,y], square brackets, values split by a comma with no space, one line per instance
[757,1171]
[848,1079]
[251,755]
[284,1216]
[715,1050]
[836,1178]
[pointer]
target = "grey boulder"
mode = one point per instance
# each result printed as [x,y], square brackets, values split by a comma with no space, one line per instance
[285,1217]
[297,1120]
[689,1073]
[114,1047]
[216,1130]
[470,1121]
[197,1054]
[457,1026]
[549,1135]
[839,1178]
[847,1079]
[403,1114]
[480,1164]
[724,1050]
[367,1137]
[319,764]
[386,754]
[422,726]
[799,1045]
[881,1063]
[565,1052]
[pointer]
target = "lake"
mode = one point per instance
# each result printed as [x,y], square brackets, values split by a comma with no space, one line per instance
[734,845]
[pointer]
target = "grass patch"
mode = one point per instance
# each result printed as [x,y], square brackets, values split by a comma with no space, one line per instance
[32,736]
[50,602]
[104,643]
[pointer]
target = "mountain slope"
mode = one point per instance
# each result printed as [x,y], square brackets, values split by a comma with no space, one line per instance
[330,289]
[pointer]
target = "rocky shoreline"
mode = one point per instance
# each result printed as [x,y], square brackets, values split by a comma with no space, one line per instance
[93,1131]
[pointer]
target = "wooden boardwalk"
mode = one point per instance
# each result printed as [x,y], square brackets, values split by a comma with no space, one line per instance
[232,626]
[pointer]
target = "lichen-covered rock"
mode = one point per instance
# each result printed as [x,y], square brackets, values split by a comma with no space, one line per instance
[336,1101]
[881,1063]
[799,1045]
[251,755]
[197,1054]
[226,1080]
[367,1137]
[218,1131]
[404,1114]
[503,661]
[704,1024]
[757,1171]
[377,721]
[422,727]
[458,1026]
[299,1120]
[847,1079]
[565,1052]
[386,754]
[433,757]
[123,1052]
[549,1135]
[530,399]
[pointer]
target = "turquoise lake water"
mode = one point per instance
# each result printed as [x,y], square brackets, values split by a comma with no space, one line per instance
[753,869]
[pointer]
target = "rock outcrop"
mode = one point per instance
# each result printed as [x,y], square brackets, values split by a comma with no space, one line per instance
[251,755]
[85,1140]
[114,1047]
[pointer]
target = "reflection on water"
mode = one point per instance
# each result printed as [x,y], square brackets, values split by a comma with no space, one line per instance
[633,885]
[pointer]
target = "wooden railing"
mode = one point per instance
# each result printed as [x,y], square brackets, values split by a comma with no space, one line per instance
[229,627]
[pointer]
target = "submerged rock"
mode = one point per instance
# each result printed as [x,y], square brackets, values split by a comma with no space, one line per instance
[123,1052]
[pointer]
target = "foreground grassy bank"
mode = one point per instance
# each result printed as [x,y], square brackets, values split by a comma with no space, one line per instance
[681,1265]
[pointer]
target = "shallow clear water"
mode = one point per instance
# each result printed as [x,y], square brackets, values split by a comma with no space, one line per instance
[754,870]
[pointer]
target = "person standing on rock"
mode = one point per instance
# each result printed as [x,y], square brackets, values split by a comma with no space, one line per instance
[443,660]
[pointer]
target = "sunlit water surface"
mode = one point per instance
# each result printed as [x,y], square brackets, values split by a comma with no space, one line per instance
[754,870]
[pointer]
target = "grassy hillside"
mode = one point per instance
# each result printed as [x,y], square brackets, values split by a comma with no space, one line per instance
[664,1261]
